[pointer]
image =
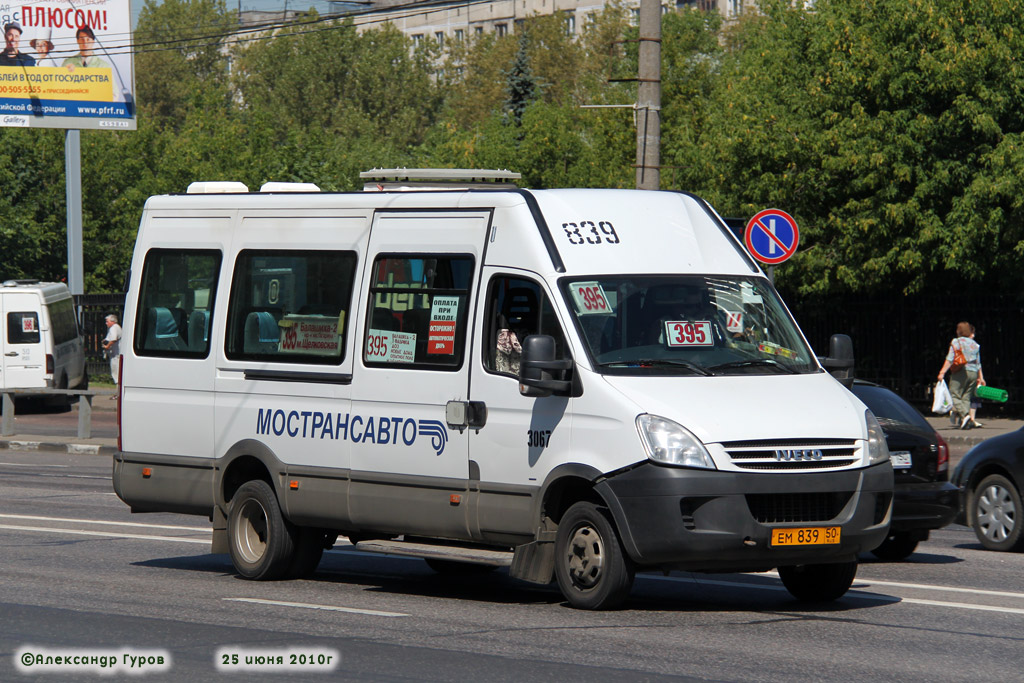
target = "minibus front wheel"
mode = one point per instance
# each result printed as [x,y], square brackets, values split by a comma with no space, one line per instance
[261,541]
[819,582]
[592,570]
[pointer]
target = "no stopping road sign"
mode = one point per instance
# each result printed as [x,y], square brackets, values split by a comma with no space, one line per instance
[772,236]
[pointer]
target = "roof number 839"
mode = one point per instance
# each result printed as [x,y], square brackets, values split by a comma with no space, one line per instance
[588,232]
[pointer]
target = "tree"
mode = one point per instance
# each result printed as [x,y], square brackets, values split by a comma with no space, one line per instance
[519,83]
[888,128]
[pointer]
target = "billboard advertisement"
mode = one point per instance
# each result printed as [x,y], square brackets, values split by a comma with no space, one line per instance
[67,64]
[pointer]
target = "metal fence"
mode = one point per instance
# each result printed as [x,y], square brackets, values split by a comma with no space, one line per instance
[901,341]
[93,310]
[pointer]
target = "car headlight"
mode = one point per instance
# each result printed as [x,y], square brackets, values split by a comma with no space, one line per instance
[670,443]
[878,450]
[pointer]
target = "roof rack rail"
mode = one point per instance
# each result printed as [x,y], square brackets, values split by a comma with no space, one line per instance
[380,179]
[15,283]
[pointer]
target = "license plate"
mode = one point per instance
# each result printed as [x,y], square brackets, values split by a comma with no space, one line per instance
[900,460]
[815,535]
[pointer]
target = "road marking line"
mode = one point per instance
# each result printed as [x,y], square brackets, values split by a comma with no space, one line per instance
[106,534]
[328,608]
[97,521]
[929,587]
[856,594]
[962,605]
[30,464]
[949,589]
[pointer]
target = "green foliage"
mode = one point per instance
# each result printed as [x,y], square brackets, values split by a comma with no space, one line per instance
[887,127]
[893,130]
[519,84]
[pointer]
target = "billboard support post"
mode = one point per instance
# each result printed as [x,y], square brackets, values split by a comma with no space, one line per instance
[73,188]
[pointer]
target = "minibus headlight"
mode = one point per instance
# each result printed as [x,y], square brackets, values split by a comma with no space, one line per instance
[878,450]
[670,443]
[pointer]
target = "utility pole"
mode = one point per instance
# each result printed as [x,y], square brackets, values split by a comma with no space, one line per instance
[648,99]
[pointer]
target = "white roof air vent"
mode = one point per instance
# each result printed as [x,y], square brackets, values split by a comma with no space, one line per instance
[289,187]
[380,179]
[216,187]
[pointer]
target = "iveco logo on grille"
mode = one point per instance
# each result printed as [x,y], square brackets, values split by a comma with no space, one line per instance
[802,454]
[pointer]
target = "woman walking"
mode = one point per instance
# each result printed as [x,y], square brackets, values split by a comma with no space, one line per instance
[963,360]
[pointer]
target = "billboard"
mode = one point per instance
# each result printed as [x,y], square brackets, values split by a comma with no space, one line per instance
[67,64]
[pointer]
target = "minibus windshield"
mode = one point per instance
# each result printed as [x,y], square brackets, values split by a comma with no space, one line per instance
[686,325]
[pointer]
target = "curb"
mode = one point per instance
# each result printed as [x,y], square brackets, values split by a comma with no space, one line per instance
[50,447]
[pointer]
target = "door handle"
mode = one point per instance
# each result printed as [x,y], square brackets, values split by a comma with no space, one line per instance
[11,353]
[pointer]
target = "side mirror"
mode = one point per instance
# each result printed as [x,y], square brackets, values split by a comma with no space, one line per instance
[839,361]
[536,365]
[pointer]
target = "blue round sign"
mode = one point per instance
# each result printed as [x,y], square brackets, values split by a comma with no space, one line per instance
[772,236]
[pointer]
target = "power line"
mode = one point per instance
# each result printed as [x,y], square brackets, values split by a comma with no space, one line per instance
[416,8]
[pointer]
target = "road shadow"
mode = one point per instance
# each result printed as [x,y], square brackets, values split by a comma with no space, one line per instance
[678,592]
[914,558]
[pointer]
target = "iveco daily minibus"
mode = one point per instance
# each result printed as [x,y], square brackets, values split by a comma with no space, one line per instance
[575,384]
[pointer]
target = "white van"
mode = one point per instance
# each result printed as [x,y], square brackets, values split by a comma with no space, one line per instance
[39,339]
[576,384]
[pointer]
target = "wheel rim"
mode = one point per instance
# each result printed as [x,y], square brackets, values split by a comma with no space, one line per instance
[252,538]
[996,513]
[585,557]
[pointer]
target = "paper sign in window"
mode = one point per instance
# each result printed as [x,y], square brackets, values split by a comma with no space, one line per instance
[444,312]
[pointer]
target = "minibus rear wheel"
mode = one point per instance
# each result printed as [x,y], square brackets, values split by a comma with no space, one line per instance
[262,542]
[819,582]
[592,570]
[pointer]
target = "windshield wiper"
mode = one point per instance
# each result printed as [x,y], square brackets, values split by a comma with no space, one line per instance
[654,362]
[765,362]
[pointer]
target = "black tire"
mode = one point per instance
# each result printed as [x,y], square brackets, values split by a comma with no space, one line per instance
[818,582]
[897,546]
[261,541]
[592,570]
[455,568]
[996,514]
[309,548]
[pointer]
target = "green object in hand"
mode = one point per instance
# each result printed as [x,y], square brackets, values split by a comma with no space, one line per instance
[991,393]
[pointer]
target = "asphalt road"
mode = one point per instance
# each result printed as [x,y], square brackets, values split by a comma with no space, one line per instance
[79,572]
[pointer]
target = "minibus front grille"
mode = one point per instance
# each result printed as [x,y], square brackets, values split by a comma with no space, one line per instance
[777,508]
[782,455]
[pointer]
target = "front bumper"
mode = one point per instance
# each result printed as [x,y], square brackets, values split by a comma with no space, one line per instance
[705,520]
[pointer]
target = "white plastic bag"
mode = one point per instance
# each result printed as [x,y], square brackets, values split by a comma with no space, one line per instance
[942,402]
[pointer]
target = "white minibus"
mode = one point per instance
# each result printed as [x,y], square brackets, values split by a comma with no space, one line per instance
[575,384]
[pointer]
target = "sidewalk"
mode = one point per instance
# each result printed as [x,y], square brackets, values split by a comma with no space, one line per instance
[972,437]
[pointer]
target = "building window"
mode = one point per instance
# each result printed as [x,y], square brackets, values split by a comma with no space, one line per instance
[439,37]
[478,31]
[570,23]
[634,16]
[417,39]
[460,35]
[501,29]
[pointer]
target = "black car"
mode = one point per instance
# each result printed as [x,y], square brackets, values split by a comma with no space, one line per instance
[989,479]
[923,497]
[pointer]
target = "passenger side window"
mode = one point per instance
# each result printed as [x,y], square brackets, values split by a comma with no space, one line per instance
[62,321]
[518,308]
[179,288]
[418,313]
[290,306]
[23,328]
